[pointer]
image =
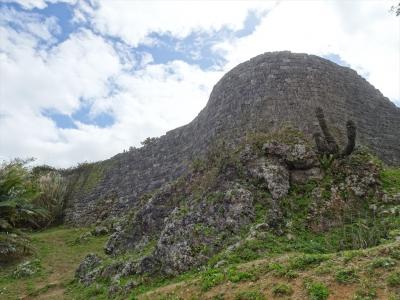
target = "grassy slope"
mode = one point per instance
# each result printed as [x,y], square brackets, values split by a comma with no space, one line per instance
[269,268]
[59,256]
[363,274]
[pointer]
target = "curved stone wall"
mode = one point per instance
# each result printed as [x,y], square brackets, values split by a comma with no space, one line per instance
[263,93]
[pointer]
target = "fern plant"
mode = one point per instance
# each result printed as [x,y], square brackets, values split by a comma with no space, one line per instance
[17,192]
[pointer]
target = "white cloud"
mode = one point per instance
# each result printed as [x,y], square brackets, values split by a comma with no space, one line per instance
[166,96]
[363,33]
[59,78]
[148,102]
[56,78]
[145,98]
[40,4]
[133,21]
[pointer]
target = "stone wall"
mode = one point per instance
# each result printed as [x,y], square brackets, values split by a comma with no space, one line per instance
[263,93]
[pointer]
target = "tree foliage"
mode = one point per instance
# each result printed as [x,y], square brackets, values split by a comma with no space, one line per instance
[17,192]
[28,199]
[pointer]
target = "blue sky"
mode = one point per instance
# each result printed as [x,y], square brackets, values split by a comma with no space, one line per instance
[83,80]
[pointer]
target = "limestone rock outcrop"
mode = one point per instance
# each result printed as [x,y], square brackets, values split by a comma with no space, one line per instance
[252,192]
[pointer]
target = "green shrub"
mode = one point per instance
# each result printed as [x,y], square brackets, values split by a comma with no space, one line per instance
[211,278]
[365,294]
[243,254]
[349,255]
[234,275]
[306,260]
[282,289]
[277,268]
[367,291]
[317,290]
[346,276]
[29,198]
[383,262]
[291,274]
[394,279]
[250,295]
[17,192]
[18,189]
[395,253]
[281,270]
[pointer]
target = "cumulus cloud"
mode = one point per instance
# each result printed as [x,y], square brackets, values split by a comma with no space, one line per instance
[364,34]
[149,102]
[133,21]
[86,68]
[36,78]
[60,77]
[98,65]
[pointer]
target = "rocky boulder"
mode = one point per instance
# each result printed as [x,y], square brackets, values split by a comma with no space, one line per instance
[88,269]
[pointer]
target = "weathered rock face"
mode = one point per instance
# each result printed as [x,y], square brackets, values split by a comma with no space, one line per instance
[184,223]
[261,94]
[88,269]
[238,196]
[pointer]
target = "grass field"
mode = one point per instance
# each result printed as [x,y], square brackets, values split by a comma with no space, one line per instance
[56,254]
[361,274]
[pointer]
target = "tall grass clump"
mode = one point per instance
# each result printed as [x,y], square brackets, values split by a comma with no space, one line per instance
[52,188]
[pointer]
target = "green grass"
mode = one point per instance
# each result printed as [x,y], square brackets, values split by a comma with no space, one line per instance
[58,256]
[282,289]
[390,179]
[211,278]
[382,262]
[367,291]
[277,269]
[250,295]
[305,261]
[393,279]
[306,252]
[234,275]
[317,290]
[345,276]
